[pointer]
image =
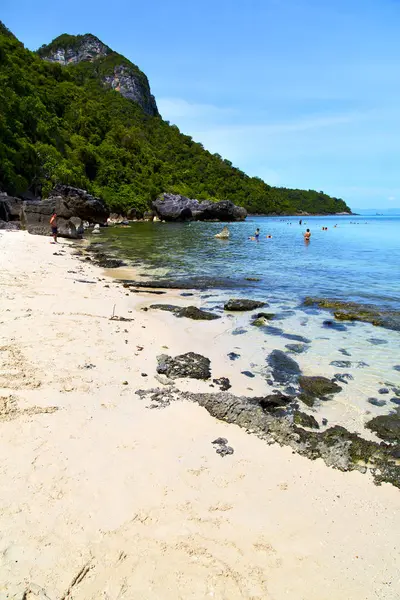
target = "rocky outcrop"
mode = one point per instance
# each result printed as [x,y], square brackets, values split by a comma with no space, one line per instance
[284,369]
[316,387]
[72,205]
[192,365]
[170,207]
[10,208]
[72,49]
[114,70]
[190,312]
[125,81]
[353,311]
[242,304]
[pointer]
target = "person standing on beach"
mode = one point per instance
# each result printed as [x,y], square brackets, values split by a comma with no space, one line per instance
[307,235]
[53,225]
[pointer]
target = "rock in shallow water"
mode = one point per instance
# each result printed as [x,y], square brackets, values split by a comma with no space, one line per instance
[242,304]
[296,348]
[190,312]
[342,364]
[316,387]
[387,427]
[284,368]
[191,365]
[376,402]
[304,420]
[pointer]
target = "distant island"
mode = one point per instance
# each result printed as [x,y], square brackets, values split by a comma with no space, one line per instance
[77,113]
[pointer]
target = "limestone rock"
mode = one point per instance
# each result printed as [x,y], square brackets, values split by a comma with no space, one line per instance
[114,71]
[170,207]
[191,365]
[223,235]
[387,427]
[72,205]
[242,304]
[284,368]
[316,387]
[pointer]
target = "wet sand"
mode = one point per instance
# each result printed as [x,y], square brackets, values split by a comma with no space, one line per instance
[103,497]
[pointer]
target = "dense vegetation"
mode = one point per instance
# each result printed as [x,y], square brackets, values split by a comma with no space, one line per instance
[60,125]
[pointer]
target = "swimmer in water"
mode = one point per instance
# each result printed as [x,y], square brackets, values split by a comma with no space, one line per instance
[307,235]
[257,234]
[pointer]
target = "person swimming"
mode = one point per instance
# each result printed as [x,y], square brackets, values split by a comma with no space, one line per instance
[257,234]
[307,235]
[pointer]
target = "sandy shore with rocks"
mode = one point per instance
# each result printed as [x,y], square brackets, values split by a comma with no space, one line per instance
[102,496]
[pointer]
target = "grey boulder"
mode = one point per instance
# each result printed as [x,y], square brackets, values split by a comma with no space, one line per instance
[171,207]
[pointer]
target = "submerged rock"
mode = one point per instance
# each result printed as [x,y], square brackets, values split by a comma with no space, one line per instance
[376,402]
[239,331]
[342,364]
[376,341]
[247,373]
[284,368]
[353,311]
[387,427]
[191,365]
[304,420]
[333,325]
[314,387]
[296,348]
[296,338]
[344,352]
[233,355]
[343,377]
[242,304]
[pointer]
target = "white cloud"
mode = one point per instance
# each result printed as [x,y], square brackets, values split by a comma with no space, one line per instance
[178,108]
[392,198]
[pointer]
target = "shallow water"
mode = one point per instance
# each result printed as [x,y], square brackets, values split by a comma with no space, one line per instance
[357,260]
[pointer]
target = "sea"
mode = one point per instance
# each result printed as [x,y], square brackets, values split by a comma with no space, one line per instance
[350,258]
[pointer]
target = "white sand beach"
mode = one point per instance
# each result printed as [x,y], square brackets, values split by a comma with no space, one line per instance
[102,497]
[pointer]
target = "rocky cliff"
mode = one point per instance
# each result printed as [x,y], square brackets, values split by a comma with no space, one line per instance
[114,71]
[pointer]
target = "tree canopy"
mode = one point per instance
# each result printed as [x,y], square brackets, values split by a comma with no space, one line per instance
[61,125]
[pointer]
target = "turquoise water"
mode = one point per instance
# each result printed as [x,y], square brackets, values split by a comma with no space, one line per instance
[357,260]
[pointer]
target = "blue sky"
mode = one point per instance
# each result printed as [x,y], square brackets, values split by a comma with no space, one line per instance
[303,93]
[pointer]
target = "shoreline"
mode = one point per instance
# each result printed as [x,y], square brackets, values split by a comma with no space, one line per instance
[90,474]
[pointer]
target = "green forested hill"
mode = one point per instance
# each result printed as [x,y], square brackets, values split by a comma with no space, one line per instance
[59,124]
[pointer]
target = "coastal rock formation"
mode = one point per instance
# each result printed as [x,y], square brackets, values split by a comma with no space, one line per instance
[115,71]
[223,235]
[387,427]
[353,311]
[190,312]
[284,368]
[316,387]
[170,207]
[242,304]
[10,208]
[192,365]
[72,205]
[337,446]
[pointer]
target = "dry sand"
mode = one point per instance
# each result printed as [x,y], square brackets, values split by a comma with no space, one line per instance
[102,498]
